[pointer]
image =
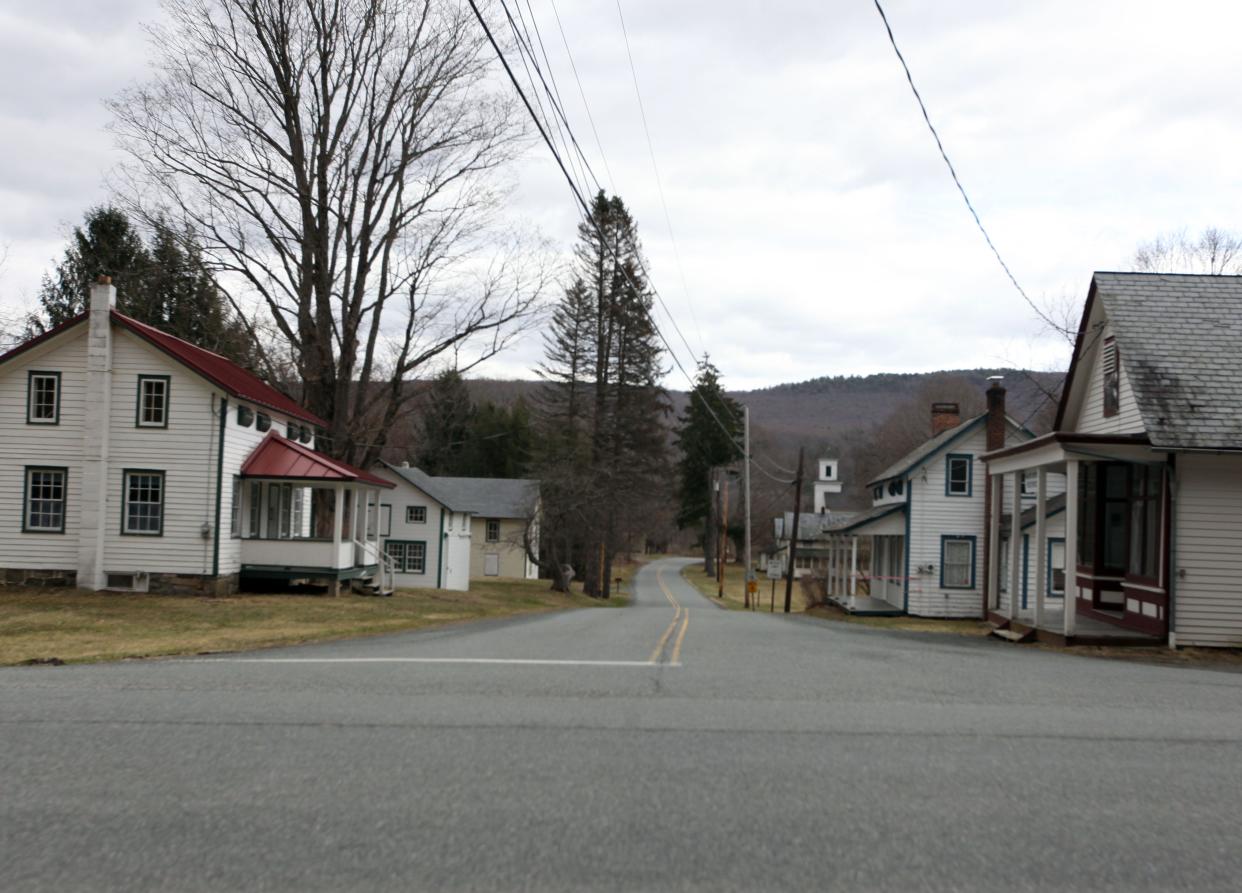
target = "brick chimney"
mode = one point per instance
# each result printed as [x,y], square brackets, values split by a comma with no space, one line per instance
[945,416]
[97,412]
[996,414]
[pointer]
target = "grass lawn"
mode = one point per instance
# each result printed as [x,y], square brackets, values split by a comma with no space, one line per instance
[735,588]
[907,624]
[75,626]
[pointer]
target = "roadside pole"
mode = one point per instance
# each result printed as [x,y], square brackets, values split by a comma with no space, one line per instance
[793,534]
[750,570]
[719,538]
[724,530]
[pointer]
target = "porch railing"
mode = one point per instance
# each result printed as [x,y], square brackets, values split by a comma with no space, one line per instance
[386,576]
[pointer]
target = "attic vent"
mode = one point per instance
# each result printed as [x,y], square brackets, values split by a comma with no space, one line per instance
[307,435]
[1110,366]
[263,422]
[245,416]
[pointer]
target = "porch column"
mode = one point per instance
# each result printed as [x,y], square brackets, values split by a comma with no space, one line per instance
[355,518]
[831,575]
[854,565]
[1071,544]
[1015,553]
[880,543]
[1042,570]
[993,580]
[338,515]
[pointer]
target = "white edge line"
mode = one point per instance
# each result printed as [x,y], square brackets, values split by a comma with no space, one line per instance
[432,660]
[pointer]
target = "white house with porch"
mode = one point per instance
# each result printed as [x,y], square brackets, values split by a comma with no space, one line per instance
[424,529]
[1148,437]
[133,460]
[918,550]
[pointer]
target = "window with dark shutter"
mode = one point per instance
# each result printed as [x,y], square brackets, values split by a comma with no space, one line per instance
[1110,364]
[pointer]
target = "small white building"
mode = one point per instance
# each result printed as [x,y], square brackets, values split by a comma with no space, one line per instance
[133,460]
[425,530]
[924,533]
[1148,437]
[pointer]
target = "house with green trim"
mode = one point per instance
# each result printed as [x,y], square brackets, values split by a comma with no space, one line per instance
[137,461]
[920,548]
[425,529]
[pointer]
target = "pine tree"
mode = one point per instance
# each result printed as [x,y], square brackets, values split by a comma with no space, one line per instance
[445,426]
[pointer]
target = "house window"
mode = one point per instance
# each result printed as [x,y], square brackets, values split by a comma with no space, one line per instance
[878,492]
[957,562]
[286,511]
[408,556]
[235,514]
[1110,364]
[44,510]
[385,519]
[1028,483]
[1056,568]
[143,509]
[958,473]
[262,422]
[152,401]
[245,416]
[493,531]
[256,509]
[43,398]
[1115,517]
[1147,497]
[416,514]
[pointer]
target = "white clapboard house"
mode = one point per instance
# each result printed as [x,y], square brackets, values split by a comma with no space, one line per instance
[1149,439]
[133,460]
[425,528]
[922,539]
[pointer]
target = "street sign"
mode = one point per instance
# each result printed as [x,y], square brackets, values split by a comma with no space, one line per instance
[774,569]
[752,586]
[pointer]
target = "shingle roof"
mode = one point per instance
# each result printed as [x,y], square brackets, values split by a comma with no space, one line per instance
[811,525]
[487,497]
[1179,339]
[875,513]
[927,448]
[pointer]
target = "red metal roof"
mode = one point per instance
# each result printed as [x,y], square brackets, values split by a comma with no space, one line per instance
[215,368]
[277,457]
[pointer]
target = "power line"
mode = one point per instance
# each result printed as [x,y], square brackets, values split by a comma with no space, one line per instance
[957,182]
[582,93]
[642,110]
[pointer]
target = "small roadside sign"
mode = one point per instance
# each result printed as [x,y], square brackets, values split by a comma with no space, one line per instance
[752,586]
[774,569]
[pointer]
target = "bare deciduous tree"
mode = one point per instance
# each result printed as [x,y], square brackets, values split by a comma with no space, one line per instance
[339,159]
[1214,251]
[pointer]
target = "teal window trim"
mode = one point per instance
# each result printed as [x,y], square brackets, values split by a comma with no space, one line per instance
[125,475]
[1052,593]
[64,497]
[30,385]
[403,566]
[949,460]
[139,422]
[947,538]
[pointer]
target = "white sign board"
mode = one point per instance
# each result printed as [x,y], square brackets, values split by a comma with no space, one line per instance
[775,572]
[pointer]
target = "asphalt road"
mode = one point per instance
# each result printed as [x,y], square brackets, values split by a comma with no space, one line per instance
[655,747]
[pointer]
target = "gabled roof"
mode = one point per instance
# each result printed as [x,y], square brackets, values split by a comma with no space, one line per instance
[487,497]
[222,372]
[279,457]
[811,525]
[1178,338]
[427,484]
[875,513]
[928,448]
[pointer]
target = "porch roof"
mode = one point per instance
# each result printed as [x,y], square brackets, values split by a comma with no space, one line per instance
[1054,448]
[278,457]
[873,514]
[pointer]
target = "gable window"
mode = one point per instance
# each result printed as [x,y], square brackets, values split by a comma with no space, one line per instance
[408,556]
[152,401]
[43,398]
[1110,365]
[957,562]
[416,514]
[44,510]
[957,475]
[493,531]
[143,511]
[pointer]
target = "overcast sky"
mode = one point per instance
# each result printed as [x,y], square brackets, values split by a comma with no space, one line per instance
[817,227]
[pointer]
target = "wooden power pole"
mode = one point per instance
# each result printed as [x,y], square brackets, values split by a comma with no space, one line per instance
[724,531]
[793,535]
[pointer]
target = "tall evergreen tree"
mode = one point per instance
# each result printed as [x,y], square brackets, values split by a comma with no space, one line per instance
[445,426]
[707,437]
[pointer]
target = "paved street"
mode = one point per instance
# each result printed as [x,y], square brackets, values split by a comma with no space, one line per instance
[669,745]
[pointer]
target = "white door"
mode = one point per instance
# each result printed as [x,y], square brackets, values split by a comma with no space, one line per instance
[491,565]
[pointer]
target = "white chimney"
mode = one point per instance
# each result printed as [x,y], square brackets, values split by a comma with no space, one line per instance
[96,414]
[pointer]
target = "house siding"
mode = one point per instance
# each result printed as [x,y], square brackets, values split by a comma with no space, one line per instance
[446,533]
[511,555]
[1207,556]
[57,445]
[1091,418]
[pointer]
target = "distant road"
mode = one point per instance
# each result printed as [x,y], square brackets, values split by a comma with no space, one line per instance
[668,745]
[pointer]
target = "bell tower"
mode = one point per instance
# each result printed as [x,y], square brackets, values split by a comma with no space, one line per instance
[828,481]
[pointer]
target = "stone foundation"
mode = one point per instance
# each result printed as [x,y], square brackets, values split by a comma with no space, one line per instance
[158,584]
[40,577]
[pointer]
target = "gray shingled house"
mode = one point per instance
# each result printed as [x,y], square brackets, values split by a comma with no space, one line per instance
[1149,437]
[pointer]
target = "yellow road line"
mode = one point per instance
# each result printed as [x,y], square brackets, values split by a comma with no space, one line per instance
[681,636]
[678,615]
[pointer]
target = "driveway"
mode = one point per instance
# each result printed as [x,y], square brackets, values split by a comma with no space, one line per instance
[669,745]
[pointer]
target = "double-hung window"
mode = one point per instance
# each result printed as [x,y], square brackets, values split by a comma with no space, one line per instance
[408,557]
[957,562]
[43,398]
[152,401]
[143,510]
[958,472]
[44,510]
[416,514]
[493,531]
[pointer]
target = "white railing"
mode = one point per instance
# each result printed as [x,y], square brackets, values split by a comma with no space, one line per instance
[371,553]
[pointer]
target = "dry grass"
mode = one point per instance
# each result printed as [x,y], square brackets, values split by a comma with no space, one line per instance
[1205,658]
[735,589]
[905,624]
[76,626]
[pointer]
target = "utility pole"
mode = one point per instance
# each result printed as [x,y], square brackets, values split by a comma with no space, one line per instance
[793,534]
[750,570]
[724,531]
[709,529]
